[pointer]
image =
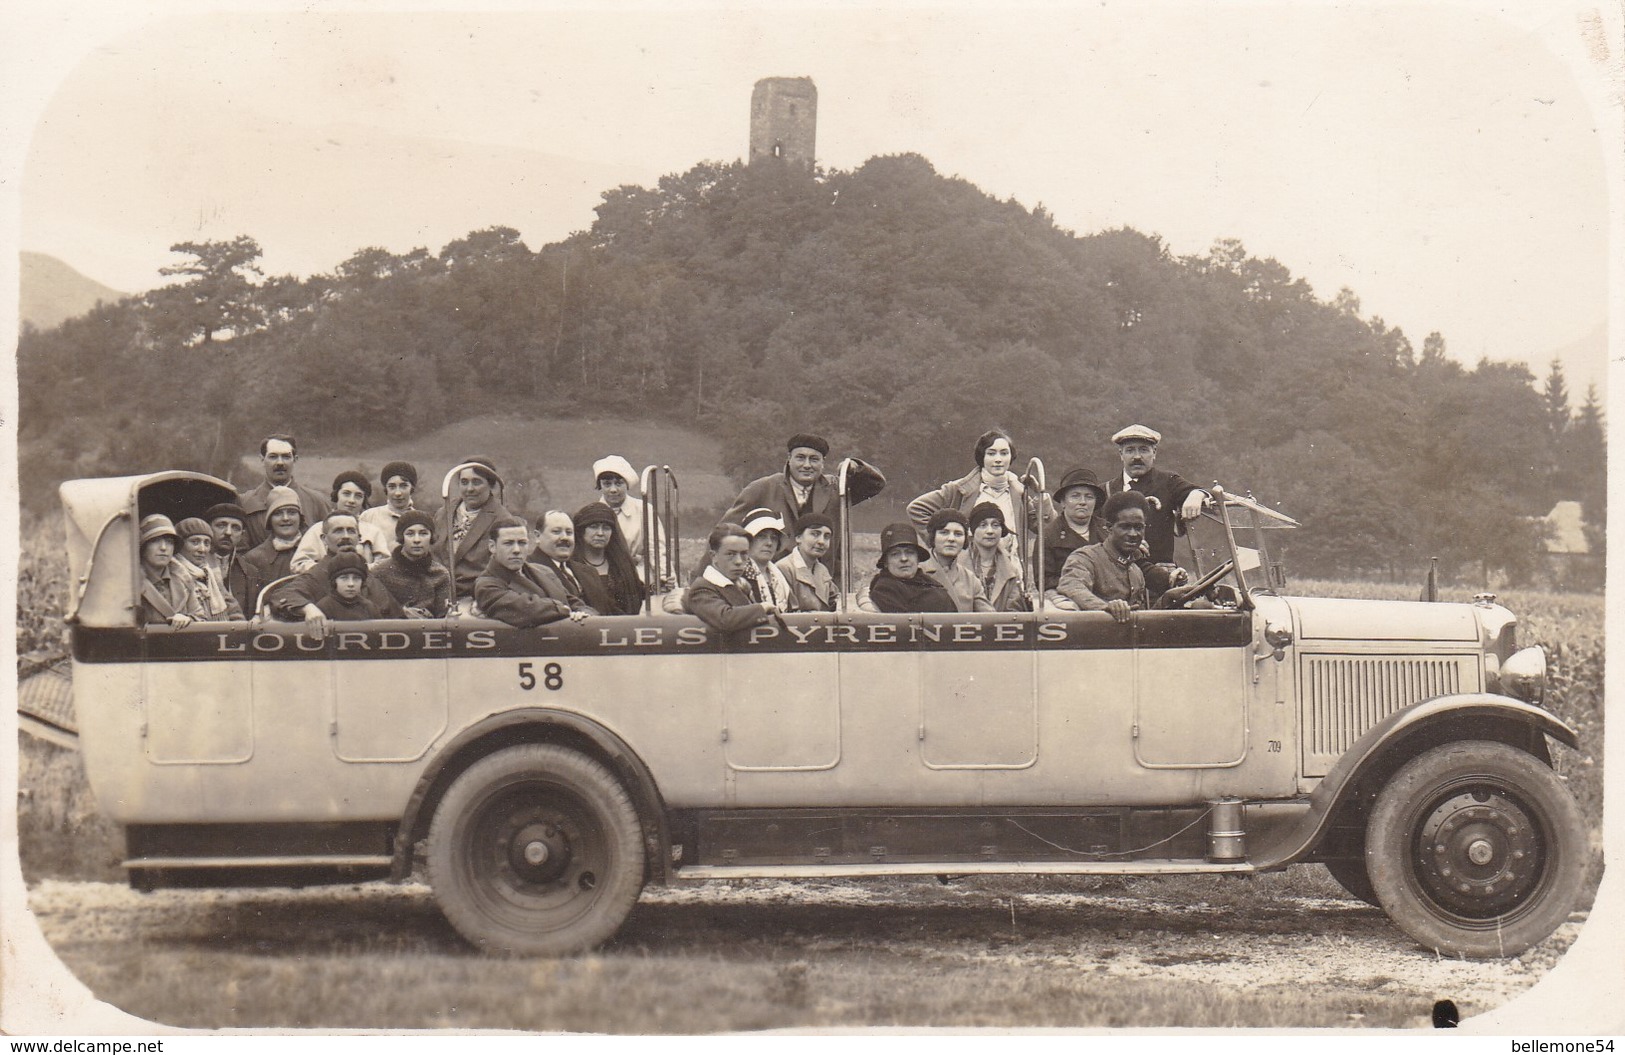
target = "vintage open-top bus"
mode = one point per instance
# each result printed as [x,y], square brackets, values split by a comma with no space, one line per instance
[540,777]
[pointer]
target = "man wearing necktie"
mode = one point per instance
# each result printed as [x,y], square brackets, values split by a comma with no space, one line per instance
[555,543]
[803,487]
[520,593]
[1170,498]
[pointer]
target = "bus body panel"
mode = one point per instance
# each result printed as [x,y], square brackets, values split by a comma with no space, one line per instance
[269,724]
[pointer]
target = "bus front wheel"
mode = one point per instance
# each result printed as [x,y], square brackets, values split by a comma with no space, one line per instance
[536,850]
[1476,849]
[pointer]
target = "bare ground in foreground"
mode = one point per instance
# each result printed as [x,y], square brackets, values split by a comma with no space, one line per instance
[1035,951]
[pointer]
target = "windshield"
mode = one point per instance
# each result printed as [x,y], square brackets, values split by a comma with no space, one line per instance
[1258,534]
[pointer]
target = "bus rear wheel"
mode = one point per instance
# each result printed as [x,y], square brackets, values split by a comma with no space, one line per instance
[1476,849]
[536,850]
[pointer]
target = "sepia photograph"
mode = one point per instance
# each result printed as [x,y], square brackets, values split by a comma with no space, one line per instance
[692,518]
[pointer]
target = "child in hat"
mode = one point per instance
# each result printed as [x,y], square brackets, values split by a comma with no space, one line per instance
[348,574]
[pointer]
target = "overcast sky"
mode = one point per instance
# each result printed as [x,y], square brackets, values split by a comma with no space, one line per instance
[1438,159]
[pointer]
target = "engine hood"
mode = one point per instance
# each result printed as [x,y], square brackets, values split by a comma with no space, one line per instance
[1329,618]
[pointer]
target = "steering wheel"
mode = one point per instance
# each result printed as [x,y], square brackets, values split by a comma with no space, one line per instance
[1206,582]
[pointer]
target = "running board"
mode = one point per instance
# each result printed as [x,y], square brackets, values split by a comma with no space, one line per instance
[301,861]
[1192,866]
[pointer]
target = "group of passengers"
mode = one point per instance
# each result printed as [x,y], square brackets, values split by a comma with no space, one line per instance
[971,545]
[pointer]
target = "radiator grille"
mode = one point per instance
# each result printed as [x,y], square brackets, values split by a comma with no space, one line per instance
[1343,696]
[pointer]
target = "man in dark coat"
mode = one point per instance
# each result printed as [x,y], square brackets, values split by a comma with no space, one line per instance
[555,544]
[300,597]
[228,524]
[716,595]
[277,455]
[516,592]
[1170,497]
[802,487]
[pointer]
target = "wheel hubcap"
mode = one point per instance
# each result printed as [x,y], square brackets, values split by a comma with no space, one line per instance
[538,851]
[1477,853]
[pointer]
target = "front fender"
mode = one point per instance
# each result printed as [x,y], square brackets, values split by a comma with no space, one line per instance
[531,725]
[1403,735]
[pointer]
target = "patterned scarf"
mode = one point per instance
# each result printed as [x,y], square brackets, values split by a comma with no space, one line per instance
[461,522]
[204,580]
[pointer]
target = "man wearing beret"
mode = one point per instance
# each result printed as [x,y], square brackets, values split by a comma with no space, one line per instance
[803,487]
[277,455]
[1169,497]
[228,523]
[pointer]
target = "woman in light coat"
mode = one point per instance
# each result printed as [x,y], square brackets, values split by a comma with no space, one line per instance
[989,563]
[991,481]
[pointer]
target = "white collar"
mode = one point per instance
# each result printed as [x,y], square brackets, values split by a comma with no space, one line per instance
[715,577]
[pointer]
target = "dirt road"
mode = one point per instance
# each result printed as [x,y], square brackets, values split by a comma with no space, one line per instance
[753,955]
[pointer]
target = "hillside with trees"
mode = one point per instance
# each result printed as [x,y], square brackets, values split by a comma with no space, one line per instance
[896,310]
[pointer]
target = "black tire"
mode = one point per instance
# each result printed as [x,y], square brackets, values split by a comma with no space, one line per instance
[1476,849]
[1351,875]
[536,850]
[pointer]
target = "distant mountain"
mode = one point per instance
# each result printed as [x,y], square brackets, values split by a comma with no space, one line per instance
[51,291]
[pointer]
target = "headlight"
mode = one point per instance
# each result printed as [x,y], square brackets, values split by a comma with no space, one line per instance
[1523,675]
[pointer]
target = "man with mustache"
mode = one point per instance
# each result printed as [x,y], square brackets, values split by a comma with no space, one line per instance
[1169,496]
[278,452]
[523,594]
[803,487]
[229,525]
[301,597]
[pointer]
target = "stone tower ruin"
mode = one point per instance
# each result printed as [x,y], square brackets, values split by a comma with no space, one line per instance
[783,119]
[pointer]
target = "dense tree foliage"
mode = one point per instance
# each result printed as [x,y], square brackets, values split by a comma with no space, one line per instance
[898,311]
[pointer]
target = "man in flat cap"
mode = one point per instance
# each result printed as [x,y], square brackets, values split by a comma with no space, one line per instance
[1169,496]
[803,487]
[228,523]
